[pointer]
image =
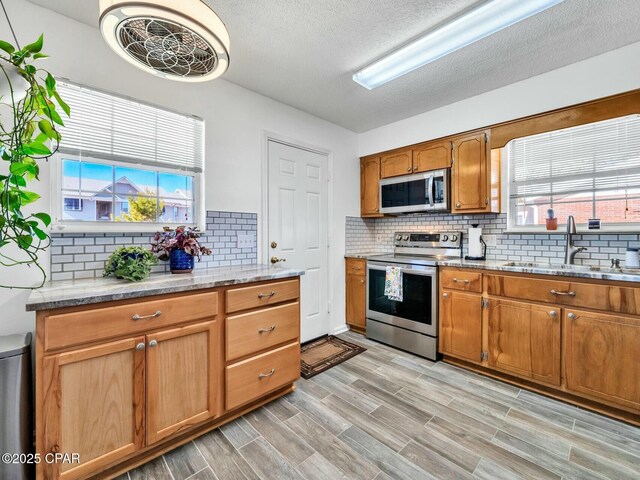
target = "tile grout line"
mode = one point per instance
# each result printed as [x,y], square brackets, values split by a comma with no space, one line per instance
[205,460]
[168,469]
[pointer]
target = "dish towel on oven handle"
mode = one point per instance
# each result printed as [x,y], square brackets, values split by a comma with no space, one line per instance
[393,284]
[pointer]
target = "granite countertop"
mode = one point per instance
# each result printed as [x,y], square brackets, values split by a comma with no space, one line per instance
[580,271]
[365,255]
[70,293]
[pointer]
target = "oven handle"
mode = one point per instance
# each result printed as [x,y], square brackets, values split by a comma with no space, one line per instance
[427,271]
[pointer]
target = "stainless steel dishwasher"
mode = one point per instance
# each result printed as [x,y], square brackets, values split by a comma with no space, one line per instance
[16,407]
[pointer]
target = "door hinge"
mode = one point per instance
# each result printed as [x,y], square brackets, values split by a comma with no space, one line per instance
[484,356]
[486,200]
[486,138]
[485,303]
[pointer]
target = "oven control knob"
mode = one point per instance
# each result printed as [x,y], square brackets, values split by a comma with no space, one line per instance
[405,237]
[445,238]
[454,238]
[398,237]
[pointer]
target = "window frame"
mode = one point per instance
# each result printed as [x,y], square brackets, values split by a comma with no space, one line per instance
[508,205]
[80,204]
[59,225]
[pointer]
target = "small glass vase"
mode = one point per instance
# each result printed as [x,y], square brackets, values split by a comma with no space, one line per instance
[180,261]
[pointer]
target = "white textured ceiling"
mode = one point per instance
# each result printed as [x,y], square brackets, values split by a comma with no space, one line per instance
[304,52]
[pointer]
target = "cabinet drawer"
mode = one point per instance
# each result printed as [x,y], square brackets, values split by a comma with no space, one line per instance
[257,376]
[356,266]
[461,280]
[68,329]
[551,291]
[261,295]
[256,331]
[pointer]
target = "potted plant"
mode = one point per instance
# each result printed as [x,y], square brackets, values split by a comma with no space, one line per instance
[29,125]
[551,220]
[131,263]
[180,247]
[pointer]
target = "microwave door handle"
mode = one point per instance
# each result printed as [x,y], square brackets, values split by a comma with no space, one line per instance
[430,188]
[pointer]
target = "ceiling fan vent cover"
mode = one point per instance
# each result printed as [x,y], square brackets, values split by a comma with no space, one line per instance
[179,40]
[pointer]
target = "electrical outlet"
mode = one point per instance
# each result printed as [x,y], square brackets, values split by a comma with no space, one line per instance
[246,241]
[490,240]
[379,239]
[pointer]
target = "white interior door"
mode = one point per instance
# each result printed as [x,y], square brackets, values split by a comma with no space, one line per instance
[297,227]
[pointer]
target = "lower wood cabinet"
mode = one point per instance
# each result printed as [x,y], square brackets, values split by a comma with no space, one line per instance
[461,325]
[181,371]
[602,356]
[93,406]
[356,294]
[524,340]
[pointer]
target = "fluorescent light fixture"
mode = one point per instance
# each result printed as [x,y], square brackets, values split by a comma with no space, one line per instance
[487,19]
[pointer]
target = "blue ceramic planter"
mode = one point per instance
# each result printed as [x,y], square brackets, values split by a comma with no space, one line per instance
[180,261]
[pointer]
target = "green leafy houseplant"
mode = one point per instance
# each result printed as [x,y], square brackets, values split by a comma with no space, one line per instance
[131,263]
[28,134]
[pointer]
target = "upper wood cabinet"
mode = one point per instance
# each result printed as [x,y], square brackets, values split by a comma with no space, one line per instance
[524,340]
[395,164]
[471,175]
[370,187]
[182,382]
[601,356]
[94,406]
[461,325]
[431,156]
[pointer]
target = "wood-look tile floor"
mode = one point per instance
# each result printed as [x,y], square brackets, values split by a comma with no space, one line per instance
[388,414]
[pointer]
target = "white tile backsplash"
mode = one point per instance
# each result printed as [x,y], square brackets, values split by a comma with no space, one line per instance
[362,233]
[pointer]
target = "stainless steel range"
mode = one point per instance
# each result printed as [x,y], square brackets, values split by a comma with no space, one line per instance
[411,324]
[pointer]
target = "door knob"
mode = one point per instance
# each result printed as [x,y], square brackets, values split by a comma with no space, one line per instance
[153,343]
[274,244]
[275,260]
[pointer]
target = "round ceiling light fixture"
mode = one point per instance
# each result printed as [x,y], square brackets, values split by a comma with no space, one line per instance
[176,39]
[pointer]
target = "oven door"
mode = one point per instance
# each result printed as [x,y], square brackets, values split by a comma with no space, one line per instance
[420,192]
[419,309]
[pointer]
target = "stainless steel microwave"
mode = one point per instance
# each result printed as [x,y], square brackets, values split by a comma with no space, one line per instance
[419,192]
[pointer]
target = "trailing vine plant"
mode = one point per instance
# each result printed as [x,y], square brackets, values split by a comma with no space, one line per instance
[29,122]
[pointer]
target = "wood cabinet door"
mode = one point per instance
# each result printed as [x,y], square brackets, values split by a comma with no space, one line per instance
[432,156]
[469,175]
[182,378]
[524,339]
[461,325]
[94,406]
[395,164]
[356,300]
[601,356]
[370,187]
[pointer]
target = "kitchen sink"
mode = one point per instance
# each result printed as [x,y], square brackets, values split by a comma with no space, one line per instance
[574,268]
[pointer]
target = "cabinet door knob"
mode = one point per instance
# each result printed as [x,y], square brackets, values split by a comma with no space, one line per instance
[572,316]
[140,346]
[553,314]
[458,205]
[409,169]
[153,343]
[445,295]
[361,281]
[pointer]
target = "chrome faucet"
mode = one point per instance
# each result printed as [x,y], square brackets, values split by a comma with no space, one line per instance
[570,250]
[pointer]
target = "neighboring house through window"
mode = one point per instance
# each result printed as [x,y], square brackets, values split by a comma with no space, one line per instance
[124,163]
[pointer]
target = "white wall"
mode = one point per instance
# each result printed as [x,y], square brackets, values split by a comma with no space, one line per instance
[607,74]
[236,120]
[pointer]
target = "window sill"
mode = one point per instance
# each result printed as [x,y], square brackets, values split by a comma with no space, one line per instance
[562,230]
[98,228]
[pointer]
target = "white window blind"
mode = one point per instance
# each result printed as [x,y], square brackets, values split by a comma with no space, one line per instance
[595,158]
[118,128]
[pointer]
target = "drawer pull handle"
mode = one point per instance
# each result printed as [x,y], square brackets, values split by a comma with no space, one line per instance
[144,317]
[266,295]
[461,281]
[265,375]
[357,268]
[566,294]
[267,330]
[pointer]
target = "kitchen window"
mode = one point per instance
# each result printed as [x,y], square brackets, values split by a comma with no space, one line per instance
[126,166]
[589,171]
